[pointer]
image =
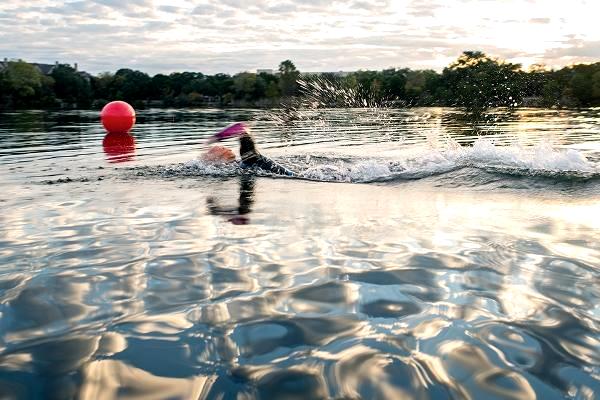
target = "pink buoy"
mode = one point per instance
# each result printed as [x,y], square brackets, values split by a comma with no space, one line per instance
[117,117]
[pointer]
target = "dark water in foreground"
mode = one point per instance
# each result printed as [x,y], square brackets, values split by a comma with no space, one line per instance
[422,254]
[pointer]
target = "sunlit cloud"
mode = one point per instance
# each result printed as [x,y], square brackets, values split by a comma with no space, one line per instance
[233,35]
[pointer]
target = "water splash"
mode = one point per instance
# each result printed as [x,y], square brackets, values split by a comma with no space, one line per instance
[319,92]
[484,155]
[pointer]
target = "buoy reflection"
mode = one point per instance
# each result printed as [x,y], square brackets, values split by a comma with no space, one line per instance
[119,147]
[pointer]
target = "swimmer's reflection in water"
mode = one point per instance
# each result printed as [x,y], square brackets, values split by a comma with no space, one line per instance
[236,215]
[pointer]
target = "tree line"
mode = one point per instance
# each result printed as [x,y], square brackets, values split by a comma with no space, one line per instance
[473,80]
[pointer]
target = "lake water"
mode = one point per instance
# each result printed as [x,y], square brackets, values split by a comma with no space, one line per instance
[421,253]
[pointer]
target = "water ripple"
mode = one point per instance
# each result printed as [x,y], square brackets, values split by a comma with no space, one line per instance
[460,279]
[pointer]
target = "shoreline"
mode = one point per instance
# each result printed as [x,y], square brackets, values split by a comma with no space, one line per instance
[473,110]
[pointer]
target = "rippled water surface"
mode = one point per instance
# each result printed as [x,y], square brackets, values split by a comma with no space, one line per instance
[421,253]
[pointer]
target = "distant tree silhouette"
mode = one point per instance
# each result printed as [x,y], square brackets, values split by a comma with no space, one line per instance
[71,87]
[288,78]
[23,85]
[476,80]
[473,80]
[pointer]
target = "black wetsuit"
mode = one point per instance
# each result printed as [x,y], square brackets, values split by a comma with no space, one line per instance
[251,158]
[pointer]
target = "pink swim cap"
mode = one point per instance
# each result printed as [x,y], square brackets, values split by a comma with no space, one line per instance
[234,130]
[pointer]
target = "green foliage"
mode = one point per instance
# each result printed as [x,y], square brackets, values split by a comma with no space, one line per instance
[585,83]
[474,80]
[272,90]
[131,85]
[160,86]
[420,87]
[393,82]
[478,81]
[551,93]
[21,83]
[288,78]
[368,82]
[70,86]
[245,85]
[22,79]
[596,86]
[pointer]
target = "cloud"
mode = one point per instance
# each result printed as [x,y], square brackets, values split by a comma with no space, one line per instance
[125,4]
[424,8]
[205,9]
[576,48]
[369,5]
[285,8]
[234,35]
[170,9]
[540,20]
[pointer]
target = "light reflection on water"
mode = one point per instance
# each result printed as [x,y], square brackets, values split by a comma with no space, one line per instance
[242,287]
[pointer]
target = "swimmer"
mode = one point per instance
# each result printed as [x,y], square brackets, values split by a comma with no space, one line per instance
[250,157]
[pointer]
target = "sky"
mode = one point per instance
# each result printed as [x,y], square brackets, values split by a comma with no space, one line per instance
[211,36]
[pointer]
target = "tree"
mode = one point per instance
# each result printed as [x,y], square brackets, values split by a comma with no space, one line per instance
[272,90]
[596,85]
[581,87]
[394,82]
[131,85]
[473,80]
[420,88]
[223,85]
[244,84]
[476,80]
[288,78]
[160,86]
[102,86]
[369,90]
[584,83]
[260,87]
[195,83]
[21,80]
[551,93]
[70,86]
[23,85]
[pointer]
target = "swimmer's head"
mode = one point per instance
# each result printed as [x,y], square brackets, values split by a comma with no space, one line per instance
[235,130]
[219,154]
